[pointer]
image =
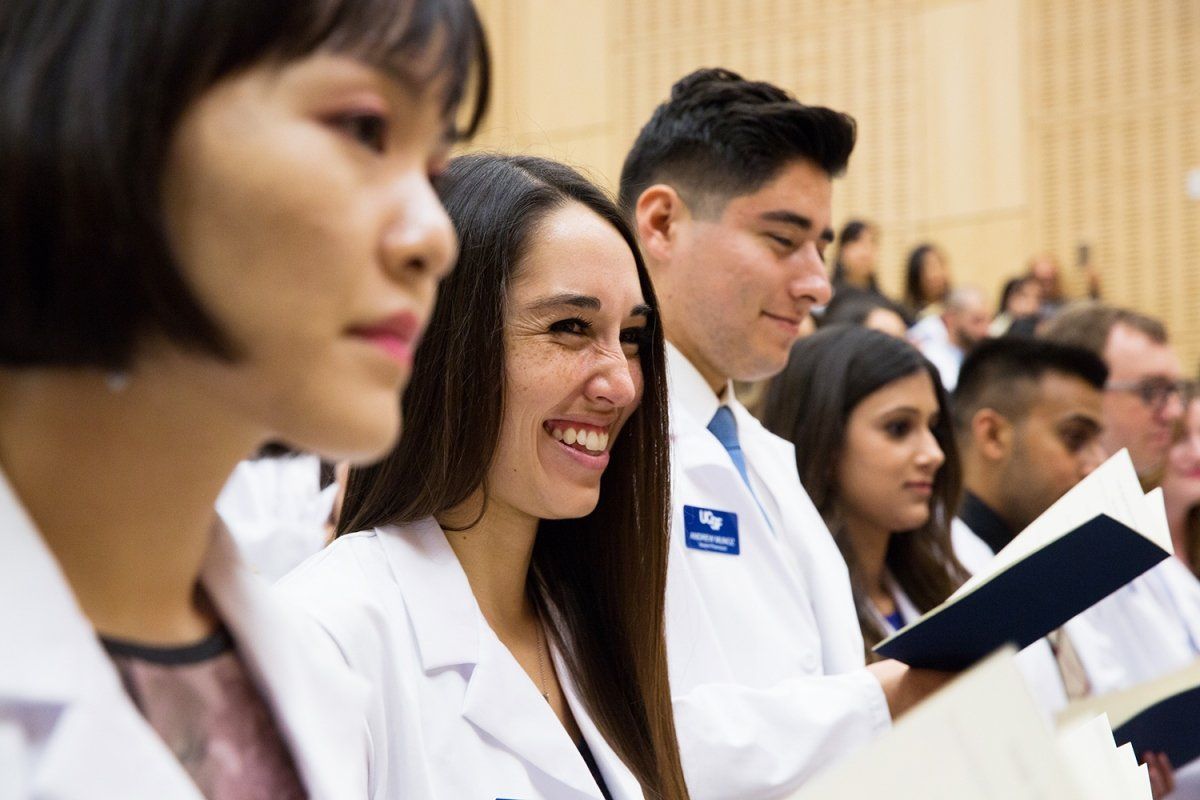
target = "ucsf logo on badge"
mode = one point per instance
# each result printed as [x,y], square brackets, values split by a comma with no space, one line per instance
[711,530]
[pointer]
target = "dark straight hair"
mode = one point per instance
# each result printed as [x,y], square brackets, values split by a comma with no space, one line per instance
[721,136]
[602,578]
[828,374]
[91,94]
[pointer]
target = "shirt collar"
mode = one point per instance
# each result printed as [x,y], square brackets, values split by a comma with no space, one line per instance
[984,522]
[689,392]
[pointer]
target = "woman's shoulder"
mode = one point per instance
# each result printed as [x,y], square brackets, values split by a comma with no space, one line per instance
[351,591]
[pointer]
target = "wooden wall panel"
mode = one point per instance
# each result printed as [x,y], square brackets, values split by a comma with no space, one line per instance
[998,128]
[1113,118]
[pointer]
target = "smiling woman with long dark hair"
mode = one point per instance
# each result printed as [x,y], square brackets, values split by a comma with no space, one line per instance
[875,450]
[500,575]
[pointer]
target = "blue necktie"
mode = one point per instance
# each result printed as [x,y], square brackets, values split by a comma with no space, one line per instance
[724,427]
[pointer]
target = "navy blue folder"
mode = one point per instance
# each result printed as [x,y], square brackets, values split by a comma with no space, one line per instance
[1169,726]
[1029,599]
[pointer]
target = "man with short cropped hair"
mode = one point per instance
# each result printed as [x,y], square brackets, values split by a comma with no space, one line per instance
[729,187]
[1027,420]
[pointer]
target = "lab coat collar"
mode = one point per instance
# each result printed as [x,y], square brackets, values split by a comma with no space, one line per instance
[101,746]
[620,781]
[312,717]
[692,400]
[451,631]
[440,603]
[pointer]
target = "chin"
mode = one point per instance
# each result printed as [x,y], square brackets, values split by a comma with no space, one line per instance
[364,439]
[573,507]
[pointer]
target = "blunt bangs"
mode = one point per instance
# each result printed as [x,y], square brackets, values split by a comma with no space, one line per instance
[90,96]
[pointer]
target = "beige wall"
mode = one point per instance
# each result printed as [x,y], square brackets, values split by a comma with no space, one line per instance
[996,128]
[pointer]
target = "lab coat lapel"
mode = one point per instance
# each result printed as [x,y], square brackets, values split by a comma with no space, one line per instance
[56,680]
[313,696]
[621,782]
[451,631]
[502,701]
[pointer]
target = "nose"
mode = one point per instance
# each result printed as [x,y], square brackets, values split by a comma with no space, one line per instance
[418,245]
[1172,409]
[810,282]
[930,454]
[615,381]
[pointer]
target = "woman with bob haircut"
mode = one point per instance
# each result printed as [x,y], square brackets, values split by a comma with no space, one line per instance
[875,450]
[217,229]
[503,570]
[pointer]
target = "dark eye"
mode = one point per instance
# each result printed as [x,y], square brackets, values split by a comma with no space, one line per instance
[782,241]
[897,429]
[573,325]
[369,130]
[634,339]
[1074,440]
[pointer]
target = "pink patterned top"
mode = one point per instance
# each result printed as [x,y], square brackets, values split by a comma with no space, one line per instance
[201,700]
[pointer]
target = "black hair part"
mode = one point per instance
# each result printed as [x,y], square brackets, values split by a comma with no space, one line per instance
[851,306]
[720,136]
[994,373]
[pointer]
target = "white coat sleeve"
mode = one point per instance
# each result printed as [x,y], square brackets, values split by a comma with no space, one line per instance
[756,742]
[742,742]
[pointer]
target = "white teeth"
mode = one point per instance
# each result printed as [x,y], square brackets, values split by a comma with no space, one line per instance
[596,442]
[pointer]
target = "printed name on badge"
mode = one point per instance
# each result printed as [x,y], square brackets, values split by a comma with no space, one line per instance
[711,530]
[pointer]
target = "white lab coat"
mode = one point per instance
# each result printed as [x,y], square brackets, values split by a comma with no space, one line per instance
[1130,637]
[69,730]
[1036,662]
[457,716]
[765,652]
[276,511]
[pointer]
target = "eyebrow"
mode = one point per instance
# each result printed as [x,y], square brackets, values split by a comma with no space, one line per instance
[792,218]
[1076,418]
[584,301]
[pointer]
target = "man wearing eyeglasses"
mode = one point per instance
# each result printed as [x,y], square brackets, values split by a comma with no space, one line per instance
[1143,397]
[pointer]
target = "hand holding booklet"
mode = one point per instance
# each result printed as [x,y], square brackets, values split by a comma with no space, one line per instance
[983,738]
[1158,716]
[1096,538]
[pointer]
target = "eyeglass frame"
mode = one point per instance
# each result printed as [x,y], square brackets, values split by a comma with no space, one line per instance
[1155,393]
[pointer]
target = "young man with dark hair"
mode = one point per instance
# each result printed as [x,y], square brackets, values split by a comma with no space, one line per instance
[1028,422]
[729,185]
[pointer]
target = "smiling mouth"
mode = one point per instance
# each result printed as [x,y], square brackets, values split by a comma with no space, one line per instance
[777,318]
[583,438]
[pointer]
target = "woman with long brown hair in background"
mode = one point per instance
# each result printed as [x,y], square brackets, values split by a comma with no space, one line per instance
[500,576]
[875,450]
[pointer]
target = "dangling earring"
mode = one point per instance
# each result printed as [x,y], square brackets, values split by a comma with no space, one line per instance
[116,381]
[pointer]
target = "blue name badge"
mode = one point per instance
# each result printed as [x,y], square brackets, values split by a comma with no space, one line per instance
[711,530]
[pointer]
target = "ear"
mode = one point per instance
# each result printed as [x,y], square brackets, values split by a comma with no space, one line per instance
[660,212]
[992,433]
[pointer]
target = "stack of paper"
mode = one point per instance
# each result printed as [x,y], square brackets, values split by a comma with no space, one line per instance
[1100,769]
[983,738]
[1157,717]
[1098,537]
